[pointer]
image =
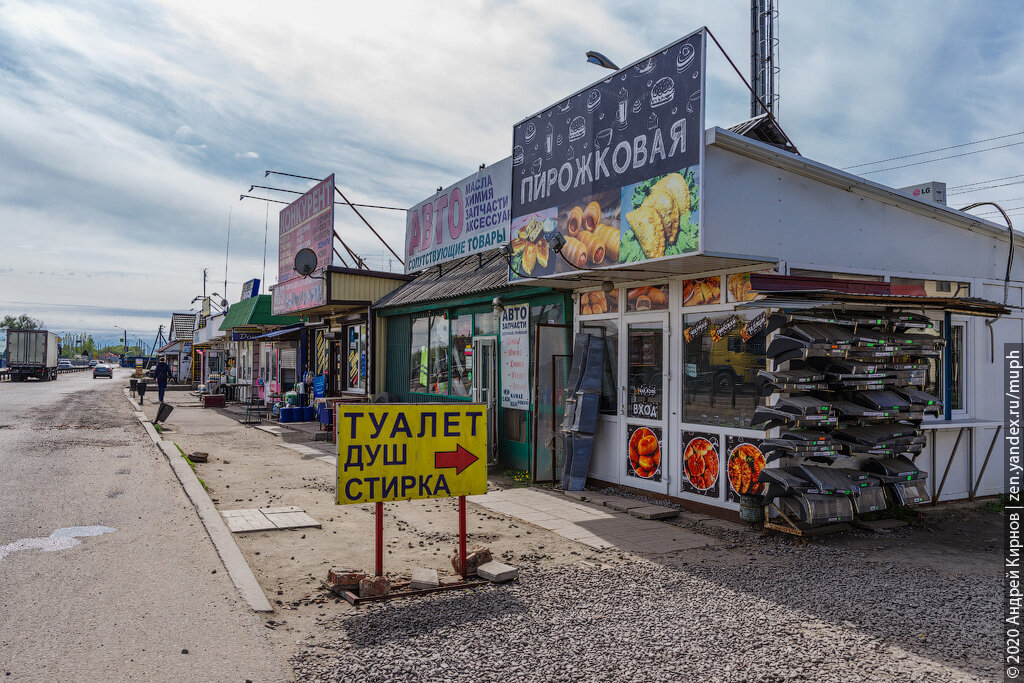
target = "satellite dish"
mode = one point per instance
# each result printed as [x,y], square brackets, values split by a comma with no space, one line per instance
[305,262]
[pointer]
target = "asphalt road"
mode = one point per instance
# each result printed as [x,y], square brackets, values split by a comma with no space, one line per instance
[134,580]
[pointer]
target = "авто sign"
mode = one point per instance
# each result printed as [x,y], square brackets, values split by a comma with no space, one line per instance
[411,451]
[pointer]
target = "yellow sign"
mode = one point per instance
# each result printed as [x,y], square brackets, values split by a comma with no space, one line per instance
[409,451]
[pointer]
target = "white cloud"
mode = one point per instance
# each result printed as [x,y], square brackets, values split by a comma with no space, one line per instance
[247,155]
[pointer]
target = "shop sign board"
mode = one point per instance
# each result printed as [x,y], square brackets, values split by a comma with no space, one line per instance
[244,336]
[514,329]
[615,169]
[466,218]
[251,288]
[306,223]
[410,451]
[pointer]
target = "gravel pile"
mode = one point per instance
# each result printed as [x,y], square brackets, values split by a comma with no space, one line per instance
[788,615]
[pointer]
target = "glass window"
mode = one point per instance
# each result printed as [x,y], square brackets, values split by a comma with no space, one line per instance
[420,361]
[438,355]
[462,355]
[609,329]
[646,363]
[720,364]
[956,379]
[936,288]
[484,324]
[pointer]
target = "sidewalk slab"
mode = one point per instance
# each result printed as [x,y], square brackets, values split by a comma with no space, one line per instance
[653,512]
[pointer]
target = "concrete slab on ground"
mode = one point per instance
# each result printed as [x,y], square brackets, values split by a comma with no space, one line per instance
[596,526]
[266,519]
[653,512]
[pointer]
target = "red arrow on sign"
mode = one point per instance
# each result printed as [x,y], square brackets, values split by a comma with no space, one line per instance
[460,459]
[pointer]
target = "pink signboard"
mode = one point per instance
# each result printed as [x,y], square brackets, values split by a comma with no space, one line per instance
[306,223]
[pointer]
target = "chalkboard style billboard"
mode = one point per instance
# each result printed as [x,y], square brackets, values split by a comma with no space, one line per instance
[614,169]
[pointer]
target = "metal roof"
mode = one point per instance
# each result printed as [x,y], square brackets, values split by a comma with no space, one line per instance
[763,129]
[182,325]
[254,311]
[477,273]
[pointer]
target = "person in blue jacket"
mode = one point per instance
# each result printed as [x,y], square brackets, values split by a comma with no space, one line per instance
[162,373]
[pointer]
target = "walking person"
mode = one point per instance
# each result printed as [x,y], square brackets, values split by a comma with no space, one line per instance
[162,372]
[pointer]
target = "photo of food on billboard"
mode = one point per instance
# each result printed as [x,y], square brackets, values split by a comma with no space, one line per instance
[644,457]
[701,463]
[619,164]
[531,252]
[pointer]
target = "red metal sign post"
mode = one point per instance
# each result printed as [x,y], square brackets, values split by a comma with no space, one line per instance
[462,536]
[379,514]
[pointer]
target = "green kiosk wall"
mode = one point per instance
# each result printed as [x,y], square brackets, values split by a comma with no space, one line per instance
[432,372]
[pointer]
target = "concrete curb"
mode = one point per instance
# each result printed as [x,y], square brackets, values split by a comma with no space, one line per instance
[234,562]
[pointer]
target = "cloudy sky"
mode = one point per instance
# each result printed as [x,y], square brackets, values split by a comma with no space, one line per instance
[129,130]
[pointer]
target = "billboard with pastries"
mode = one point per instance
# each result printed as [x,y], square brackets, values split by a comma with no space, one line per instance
[615,168]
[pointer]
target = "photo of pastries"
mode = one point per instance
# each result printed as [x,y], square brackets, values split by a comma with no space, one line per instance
[531,253]
[661,217]
[595,303]
[739,288]
[645,454]
[647,298]
[703,291]
[590,228]
[700,462]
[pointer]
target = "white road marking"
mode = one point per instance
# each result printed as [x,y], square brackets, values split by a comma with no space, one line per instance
[61,539]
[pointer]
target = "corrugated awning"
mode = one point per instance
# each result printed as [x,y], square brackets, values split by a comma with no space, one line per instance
[290,333]
[783,291]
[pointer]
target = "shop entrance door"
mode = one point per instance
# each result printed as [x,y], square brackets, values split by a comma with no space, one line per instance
[485,382]
[645,360]
[550,379]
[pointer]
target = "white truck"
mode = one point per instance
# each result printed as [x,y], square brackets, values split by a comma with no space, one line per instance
[32,353]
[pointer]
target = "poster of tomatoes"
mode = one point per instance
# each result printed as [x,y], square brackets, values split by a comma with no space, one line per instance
[744,462]
[701,463]
[643,459]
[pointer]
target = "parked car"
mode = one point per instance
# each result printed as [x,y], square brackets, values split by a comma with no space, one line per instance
[103,371]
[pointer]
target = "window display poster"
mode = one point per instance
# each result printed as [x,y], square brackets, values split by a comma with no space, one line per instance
[701,463]
[643,458]
[614,169]
[647,298]
[515,356]
[738,288]
[596,303]
[702,291]
[743,466]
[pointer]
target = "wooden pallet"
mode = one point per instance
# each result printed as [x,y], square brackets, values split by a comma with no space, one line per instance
[801,531]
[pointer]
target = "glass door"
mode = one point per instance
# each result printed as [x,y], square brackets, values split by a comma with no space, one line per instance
[485,380]
[551,375]
[645,364]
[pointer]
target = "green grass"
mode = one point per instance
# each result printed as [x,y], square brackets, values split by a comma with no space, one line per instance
[996,507]
[160,430]
[518,478]
[193,466]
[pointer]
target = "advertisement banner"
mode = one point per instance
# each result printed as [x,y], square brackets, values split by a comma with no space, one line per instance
[515,357]
[251,288]
[615,169]
[466,218]
[306,223]
[411,451]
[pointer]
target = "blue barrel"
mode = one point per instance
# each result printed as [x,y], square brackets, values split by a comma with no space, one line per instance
[286,414]
[309,413]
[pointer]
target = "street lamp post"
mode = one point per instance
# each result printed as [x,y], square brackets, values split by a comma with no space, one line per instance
[124,356]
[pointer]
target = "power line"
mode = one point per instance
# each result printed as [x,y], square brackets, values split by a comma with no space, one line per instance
[931,151]
[986,182]
[980,189]
[951,156]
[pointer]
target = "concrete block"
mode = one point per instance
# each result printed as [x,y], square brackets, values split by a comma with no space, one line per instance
[475,556]
[653,512]
[624,504]
[423,578]
[497,572]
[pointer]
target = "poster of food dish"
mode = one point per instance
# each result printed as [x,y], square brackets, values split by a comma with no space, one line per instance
[744,462]
[619,164]
[738,288]
[701,463]
[531,253]
[643,459]
[703,291]
[599,302]
[647,298]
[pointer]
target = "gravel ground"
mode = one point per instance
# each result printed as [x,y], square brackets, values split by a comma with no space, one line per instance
[821,617]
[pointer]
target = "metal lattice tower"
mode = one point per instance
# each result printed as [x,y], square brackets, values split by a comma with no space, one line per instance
[764,56]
